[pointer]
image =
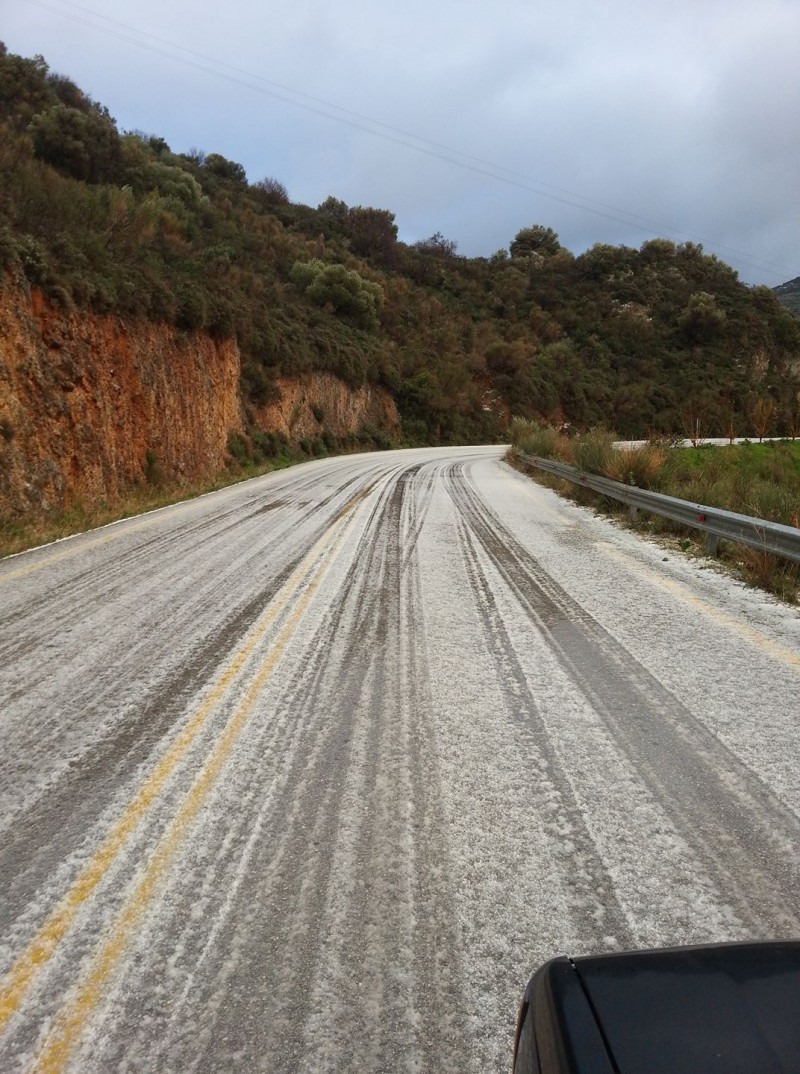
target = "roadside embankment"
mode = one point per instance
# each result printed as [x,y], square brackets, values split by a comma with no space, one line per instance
[102,415]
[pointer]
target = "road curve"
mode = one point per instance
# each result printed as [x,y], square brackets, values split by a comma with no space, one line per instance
[309,774]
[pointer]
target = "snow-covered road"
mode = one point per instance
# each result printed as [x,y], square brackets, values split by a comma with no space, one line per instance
[310,774]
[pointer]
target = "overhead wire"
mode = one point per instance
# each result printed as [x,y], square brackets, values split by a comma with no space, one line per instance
[585,202]
[378,128]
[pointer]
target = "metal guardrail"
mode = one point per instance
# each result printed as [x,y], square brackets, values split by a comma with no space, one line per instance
[713,521]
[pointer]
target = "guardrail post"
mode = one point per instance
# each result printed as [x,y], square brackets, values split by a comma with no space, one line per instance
[633,512]
[712,544]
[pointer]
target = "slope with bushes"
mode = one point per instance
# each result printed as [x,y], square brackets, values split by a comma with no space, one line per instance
[104,222]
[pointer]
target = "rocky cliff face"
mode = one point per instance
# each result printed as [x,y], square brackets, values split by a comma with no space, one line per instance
[319,402]
[90,405]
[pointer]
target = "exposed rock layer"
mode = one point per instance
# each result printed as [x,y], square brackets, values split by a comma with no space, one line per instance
[319,402]
[91,405]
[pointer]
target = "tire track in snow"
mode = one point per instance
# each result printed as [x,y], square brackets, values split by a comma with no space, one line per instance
[35,957]
[60,811]
[589,887]
[747,838]
[349,781]
[394,947]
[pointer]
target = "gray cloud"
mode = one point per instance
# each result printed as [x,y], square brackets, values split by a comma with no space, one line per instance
[680,113]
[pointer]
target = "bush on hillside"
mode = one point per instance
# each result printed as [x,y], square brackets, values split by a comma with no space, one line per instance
[343,290]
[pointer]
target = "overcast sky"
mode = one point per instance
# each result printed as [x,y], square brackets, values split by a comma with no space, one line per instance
[669,117]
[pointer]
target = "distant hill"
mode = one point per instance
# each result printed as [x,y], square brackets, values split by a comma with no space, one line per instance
[789,295]
[115,223]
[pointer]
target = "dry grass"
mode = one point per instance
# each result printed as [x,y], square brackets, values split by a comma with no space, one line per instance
[761,480]
[641,467]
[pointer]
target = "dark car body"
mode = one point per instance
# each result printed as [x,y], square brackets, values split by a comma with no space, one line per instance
[732,1008]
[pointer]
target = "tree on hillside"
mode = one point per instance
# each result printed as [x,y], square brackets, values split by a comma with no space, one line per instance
[344,291]
[373,233]
[83,145]
[172,181]
[437,245]
[333,213]
[657,250]
[67,92]
[222,168]
[537,241]
[702,321]
[23,88]
[271,191]
[762,413]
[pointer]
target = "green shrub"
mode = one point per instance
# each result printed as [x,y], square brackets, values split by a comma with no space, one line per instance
[153,473]
[238,448]
[343,290]
[33,259]
[82,144]
[531,438]
[593,451]
[191,311]
[268,445]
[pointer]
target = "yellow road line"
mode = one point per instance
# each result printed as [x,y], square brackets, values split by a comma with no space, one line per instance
[41,949]
[756,637]
[736,626]
[554,516]
[70,1022]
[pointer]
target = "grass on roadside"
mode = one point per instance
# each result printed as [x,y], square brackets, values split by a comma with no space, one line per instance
[17,536]
[762,480]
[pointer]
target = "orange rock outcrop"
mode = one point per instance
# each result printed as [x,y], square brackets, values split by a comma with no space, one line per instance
[315,402]
[93,404]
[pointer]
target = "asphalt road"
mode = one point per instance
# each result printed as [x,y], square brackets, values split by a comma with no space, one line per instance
[309,774]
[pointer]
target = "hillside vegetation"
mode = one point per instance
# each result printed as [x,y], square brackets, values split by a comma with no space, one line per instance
[651,339]
[789,295]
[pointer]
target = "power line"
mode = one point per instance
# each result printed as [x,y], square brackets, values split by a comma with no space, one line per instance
[387,132]
[338,108]
[621,215]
